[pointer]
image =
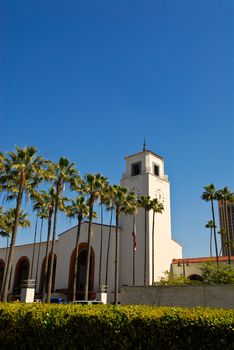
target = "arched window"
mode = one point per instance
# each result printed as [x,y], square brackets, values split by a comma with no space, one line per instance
[43,273]
[2,268]
[81,270]
[21,272]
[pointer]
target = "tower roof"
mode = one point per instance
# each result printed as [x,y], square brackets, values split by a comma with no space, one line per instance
[145,152]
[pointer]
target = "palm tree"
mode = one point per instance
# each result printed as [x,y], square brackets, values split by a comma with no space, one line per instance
[80,210]
[210,225]
[145,203]
[34,247]
[46,201]
[2,163]
[42,214]
[121,200]
[210,195]
[7,222]
[64,172]
[22,173]
[225,196]
[109,202]
[131,209]
[157,207]
[92,186]
[104,191]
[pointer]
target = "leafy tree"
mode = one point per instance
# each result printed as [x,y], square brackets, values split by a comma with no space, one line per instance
[157,207]
[210,195]
[173,280]
[145,203]
[213,274]
[23,170]
[92,186]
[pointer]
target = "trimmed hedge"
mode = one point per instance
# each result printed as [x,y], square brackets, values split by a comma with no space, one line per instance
[38,326]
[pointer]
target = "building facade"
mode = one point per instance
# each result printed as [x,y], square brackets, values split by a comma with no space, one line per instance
[145,176]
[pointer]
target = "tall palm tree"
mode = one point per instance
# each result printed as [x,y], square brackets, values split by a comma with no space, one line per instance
[157,207]
[34,247]
[46,201]
[109,202]
[78,209]
[92,186]
[210,195]
[131,209]
[225,196]
[23,170]
[7,225]
[103,192]
[42,214]
[210,226]
[121,200]
[64,172]
[145,203]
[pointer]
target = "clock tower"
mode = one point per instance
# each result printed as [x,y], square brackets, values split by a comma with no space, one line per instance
[145,176]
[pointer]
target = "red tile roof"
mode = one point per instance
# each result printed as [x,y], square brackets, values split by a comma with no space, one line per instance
[200,260]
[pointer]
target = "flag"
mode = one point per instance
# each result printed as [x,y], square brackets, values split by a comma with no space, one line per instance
[134,240]
[134,234]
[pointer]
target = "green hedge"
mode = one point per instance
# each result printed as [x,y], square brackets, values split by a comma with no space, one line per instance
[37,326]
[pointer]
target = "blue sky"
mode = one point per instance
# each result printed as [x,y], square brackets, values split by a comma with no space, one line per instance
[90,79]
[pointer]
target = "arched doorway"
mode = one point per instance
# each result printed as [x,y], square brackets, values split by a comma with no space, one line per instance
[21,273]
[43,273]
[2,268]
[195,277]
[81,271]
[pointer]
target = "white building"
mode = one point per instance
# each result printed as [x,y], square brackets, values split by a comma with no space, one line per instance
[145,176]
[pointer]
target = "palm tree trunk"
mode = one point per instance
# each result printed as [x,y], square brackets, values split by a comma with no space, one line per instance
[45,287]
[13,240]
[6,262]
[215,237]
[153,248]
[227,231]
[34,246]
[145,252]
[51,266]
[211,242]
[86,294]
[100,257]
[38,254]
[108,248]
[117,258]
[76,259]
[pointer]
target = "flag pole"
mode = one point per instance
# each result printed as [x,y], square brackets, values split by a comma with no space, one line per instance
[134,249]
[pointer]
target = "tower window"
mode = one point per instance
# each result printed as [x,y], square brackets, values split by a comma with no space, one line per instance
[136,169]
[156,170]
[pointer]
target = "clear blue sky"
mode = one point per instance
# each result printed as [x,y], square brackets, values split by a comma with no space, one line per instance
[90,79]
